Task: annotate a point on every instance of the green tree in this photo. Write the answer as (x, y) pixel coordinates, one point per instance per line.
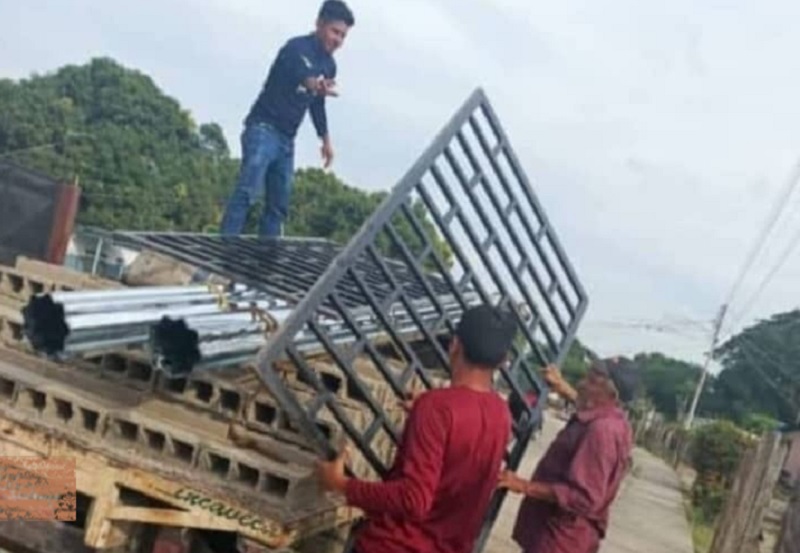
(761, 370)
(716, 450)
(577, 362)
(141, 160)
(759, 424)
(668, 382)
(144, 164)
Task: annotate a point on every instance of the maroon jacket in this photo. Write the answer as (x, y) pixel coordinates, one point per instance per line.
(585, 466)
(443, 478)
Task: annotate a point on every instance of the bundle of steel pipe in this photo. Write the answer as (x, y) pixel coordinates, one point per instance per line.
(196, 327)
(182, 345)
(76, 322)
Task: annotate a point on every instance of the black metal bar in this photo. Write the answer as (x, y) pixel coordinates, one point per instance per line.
(530, 195)
(352, 377)
(499, 243)
(504, 182)
(306, 424)
(367, 345)
(397, 241)
(411, 217)
(459, 253)
(372, 430)
(498, 281)
(289, 402)
(446, 231)
(415, 315)
(411, 357)
(493, 198)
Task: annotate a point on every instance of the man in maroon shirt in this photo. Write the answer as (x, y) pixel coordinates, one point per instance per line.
(567, 502)
(445, 471)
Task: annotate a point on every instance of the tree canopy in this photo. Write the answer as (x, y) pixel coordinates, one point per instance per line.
(141, 160)
(143, 163)
(759, 384)
(669, 383)
(761, 370)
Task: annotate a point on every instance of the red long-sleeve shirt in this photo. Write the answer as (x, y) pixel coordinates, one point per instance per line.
(584, 466)
(443, 477)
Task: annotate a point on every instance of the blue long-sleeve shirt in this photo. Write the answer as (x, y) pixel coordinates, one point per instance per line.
(284, 100)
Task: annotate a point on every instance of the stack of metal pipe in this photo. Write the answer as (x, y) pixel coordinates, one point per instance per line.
(193, 328)
(65, 323)
(182, 345)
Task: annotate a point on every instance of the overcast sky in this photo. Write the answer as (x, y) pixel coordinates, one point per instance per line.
(657, 134)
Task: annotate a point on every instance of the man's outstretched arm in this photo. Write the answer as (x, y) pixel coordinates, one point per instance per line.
(556, 380)
(411, 494)
(584, 487)
(319, 117)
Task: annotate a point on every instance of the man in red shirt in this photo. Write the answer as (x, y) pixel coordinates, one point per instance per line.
(567, 502)
(445, 471)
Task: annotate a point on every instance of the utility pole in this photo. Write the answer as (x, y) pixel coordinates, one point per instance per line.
(699, 390)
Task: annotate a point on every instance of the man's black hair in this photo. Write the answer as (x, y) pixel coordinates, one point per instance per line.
(486, 334)
(336, 10)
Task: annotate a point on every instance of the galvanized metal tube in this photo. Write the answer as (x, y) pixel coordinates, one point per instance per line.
(72, 348)
(125, 293)
(223, 348)
(135, 304)
(94, 320)
(82, 320)
(209, 336)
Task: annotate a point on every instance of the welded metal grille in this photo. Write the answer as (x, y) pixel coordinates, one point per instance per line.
(465, 221)
(285, 267)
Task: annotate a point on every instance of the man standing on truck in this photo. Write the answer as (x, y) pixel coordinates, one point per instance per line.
(567, 502)
(453, 444)
(300, 79)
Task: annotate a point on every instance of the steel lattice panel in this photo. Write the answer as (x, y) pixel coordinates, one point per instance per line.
(285, 267)
(469, 193)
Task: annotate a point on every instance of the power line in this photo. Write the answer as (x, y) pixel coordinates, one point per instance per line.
(750, 344)
(790, 402)
(785, 254)
(777, 210)
(685, 331)
(773, 218)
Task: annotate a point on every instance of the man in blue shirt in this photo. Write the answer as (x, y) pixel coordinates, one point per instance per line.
(301, 77)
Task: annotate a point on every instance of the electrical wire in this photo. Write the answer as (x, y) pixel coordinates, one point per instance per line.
(777, 211)
(779, 390)
(777, 364)
(784, 256)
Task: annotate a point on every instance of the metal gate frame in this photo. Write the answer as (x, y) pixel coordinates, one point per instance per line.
(520, 260)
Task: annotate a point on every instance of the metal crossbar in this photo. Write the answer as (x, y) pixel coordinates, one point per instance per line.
(464, 221)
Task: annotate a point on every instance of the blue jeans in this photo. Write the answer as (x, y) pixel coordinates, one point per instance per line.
(267, 170)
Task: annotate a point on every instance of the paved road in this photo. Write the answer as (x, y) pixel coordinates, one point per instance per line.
(647, 517)
(649, 514)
